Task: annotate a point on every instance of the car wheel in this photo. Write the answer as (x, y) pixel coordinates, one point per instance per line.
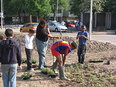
(56, 29)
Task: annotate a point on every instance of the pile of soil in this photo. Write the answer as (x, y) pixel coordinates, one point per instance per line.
(92, 46)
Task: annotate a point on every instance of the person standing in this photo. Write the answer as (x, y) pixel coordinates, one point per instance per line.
(83, 37)
(29, 48)
(10, 54)
(60, 49)
(1, 39)
(42, 35)
(78, 25)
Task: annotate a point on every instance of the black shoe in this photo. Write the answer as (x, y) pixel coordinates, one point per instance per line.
(45, 66)
(0, 74)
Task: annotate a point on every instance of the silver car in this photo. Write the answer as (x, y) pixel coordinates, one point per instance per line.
(56, 26)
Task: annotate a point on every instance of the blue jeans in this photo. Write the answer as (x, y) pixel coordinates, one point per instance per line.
(42, 48)
(9, 74)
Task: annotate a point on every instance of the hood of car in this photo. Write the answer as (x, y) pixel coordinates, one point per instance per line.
(61, 26)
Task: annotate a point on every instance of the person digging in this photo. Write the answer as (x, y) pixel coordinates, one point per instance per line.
(60, 49)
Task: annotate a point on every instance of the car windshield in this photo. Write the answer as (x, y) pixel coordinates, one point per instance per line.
(34, 24)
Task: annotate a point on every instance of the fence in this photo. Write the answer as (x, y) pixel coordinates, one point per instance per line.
(101, 21)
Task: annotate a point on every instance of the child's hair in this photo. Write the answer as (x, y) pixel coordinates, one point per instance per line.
(9, 32)
(1, 37)
(83, 26)
(31, 31)
(74, 45)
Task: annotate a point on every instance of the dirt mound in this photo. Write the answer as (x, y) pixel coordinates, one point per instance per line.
(92, 46)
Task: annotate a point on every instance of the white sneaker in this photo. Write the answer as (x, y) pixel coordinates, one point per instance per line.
(31, 69)
(64, 78)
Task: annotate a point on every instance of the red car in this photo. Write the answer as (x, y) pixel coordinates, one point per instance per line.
(70, 24)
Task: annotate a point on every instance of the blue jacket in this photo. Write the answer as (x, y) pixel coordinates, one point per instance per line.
(10, 52)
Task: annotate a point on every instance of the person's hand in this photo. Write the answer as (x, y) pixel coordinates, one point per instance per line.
(50, 35)
(20, 67)
(82, 36)
(58, 37)
(79, 36)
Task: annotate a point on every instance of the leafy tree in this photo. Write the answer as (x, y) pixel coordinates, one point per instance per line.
(110, 6)
(79, 6)
(62, 5)
(39, 8)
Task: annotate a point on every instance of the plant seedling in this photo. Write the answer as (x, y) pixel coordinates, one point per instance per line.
(51, 74)
(45, 71)
(24, 60)
(26, 76)
(34, 60)
(95, 60)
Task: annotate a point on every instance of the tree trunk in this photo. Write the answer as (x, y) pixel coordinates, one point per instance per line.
(19, 17)
(30, 18)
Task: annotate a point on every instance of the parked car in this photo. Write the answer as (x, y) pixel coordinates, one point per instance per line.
(27, 26)
(70, 24)
(56, 26)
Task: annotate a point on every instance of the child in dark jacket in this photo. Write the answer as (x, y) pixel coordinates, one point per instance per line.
(10, 55)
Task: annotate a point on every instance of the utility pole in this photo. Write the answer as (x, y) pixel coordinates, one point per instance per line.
(91, 17)
(1, 14)
(57, 10)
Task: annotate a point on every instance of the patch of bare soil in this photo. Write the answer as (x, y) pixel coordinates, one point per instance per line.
(95, 50)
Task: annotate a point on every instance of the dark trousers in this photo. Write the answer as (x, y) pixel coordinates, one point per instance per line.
(81, 53)
(29, 58)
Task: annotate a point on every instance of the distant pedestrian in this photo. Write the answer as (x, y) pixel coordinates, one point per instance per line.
(29, 48)
(60, 49)
(83, 37)
(78, 25)
(10, 54)
(1, 39)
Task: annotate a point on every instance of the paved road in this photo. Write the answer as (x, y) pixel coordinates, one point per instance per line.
(105, 38)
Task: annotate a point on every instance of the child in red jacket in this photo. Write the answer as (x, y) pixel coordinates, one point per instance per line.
(60, 49)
